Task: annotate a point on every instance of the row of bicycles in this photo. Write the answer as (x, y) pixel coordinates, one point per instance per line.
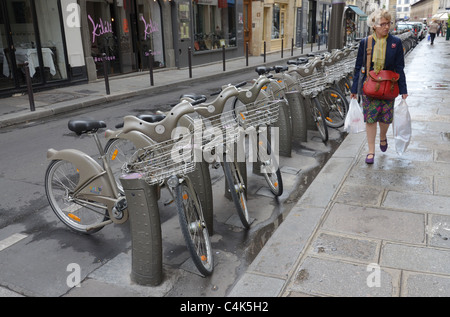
(241, 123)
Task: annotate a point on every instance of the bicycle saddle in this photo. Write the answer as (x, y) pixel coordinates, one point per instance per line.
(152, 118)
(279, 68)
(261, 70)
(80, 126)
(193, 96)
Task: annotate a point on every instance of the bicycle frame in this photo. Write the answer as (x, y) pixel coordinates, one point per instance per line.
(96, 182)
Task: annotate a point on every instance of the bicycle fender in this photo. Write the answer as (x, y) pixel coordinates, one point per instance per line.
(93, 178)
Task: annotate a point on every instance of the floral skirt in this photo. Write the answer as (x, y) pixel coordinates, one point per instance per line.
(377, 110)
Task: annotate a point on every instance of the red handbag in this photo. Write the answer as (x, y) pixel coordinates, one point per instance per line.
(383, 85)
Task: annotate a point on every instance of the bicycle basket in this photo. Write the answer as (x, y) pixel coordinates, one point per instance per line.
(159, 161)
(261, 112)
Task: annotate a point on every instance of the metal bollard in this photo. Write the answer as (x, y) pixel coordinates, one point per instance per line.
(292, 47)
(105, 73)
(190, 61)
(146, 241)
(282, 47)
(223, 56)
(29, 87)
(246, 54)
(264, 52)
(150, 67)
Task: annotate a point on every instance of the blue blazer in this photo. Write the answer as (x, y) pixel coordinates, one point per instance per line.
(395, 61)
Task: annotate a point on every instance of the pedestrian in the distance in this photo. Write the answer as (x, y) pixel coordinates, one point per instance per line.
(387, 53)
(432, 30)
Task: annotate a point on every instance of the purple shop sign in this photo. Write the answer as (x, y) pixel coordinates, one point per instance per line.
(149, 27)
(100, 28)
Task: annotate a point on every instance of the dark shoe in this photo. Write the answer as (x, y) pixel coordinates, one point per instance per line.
(370, 160)
(383, 148)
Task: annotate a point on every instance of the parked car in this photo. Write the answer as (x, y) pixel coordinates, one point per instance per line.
(421, 32)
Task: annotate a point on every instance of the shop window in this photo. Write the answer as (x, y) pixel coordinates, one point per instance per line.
(150, 32)
(214, 24)
(51, 40)
(103, 35)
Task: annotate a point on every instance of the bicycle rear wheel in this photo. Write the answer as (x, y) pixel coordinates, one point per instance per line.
(61, 178)
(269, 166)
(194, 229)
(318, 115)
(237, 190)
(335, 105)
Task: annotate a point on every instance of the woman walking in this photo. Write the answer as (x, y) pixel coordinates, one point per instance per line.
(387, 53)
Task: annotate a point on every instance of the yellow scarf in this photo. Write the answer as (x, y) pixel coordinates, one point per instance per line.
(379, 53)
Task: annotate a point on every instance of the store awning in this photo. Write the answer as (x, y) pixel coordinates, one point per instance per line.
(443, 16)
(358, 11)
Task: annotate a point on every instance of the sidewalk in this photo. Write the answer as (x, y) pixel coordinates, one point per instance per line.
(381, 230)
(15, 110)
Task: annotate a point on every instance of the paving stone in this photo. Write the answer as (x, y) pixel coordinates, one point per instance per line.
(418, 202)
(364, 195)
(414, 258)
(376, 223)
(425, 285)
(439, 231)
(333, 278)
(390, 180)
(346, 247)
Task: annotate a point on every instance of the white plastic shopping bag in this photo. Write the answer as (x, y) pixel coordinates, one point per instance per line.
(354, 121)
(401, 127)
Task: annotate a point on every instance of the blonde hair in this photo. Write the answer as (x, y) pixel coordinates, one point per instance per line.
(375, 17)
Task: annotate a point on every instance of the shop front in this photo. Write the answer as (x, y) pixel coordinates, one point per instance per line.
(123, 33)
(32, 32)
(205, 28)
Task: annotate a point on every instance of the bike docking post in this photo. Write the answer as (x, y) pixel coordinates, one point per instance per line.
(29, 87)
(146, 240)
(105, 73)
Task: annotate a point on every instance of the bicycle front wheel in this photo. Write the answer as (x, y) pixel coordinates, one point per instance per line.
(335, 105)
(61, 178)
(269, 166)
(319, 119)
(194, 229)
(117, 152)
(237, 190)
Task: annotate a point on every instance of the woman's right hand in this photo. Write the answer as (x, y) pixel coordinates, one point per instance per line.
(354, 96)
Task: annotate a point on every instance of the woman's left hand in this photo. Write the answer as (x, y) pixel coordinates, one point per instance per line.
(404, 96)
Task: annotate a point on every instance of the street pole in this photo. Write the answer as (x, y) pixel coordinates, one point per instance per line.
(335, 39)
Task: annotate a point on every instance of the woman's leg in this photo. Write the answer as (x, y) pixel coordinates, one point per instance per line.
(383, 131)
(371, 132)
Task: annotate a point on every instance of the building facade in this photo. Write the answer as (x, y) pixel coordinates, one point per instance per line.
(67, 41)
